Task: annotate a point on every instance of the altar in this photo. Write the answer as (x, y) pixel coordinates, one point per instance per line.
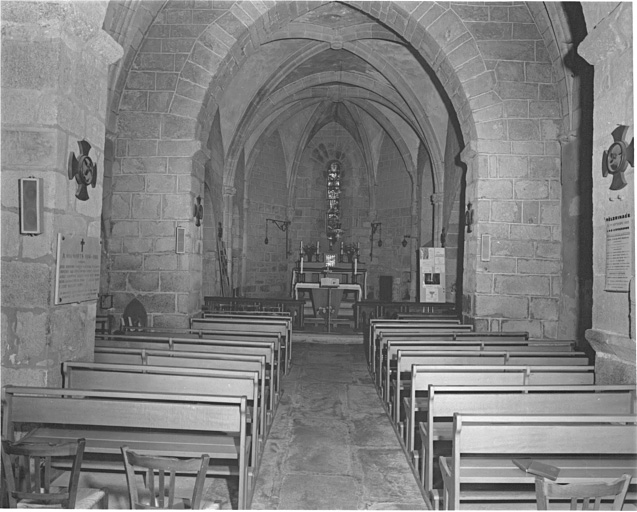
(347, 285)
(346, 273)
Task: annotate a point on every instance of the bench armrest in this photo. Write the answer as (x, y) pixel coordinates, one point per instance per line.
(447, 479)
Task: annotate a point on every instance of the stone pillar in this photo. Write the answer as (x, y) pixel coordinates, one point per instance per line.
(228, 209)
(608, 47)
(469, 278)
(437, 200)
(55, 59)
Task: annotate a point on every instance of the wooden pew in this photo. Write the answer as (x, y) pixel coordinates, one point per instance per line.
(368, 310)
(485, 343)
(377, 327)
(427, 331)
(449, 336)
(267, 348)
(444, 401)
(165, 424)
(158, 379)
(400, 379)
(210, 335)
(272, 325)
(584, 447)
(205, 360)
(257, 316)
(263, 305)
(423, 376)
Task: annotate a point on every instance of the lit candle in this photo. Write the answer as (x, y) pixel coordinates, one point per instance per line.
(355, 266)
(301, 263)
(301, 248)
(318, 250)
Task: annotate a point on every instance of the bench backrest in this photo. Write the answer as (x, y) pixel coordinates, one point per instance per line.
(198, 334)
(184, 359)
(248, 314)
(144, 378)
(423, 376)
(406, 358)
(277, 325)
(123, 409)
(542, 434)
(444, 401)
(192, 345)
(478, 344)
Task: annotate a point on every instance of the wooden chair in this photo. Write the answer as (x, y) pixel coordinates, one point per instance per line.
(30, 470)
(589, 493)
(156, 496)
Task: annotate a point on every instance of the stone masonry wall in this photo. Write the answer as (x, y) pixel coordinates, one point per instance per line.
(394, 206)
(55, 59)
(608, 47)
(267, 265)
(514, 180)
(157, 174)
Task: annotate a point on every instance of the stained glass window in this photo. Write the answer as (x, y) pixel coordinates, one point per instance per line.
(334, 230)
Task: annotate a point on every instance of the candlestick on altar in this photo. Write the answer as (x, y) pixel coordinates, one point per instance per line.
(318, 250)
(301, 248)
(341, 248)
(301, 263)
(355, 267)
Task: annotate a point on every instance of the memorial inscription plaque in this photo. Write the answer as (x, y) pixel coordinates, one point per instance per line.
(77, 276)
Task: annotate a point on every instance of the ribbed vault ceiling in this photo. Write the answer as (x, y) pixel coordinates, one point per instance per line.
(333, 65)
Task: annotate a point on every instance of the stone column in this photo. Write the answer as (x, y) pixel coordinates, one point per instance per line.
(469, 157)
(437, 200)
(55, 59)
(608, 47)
(228, 208)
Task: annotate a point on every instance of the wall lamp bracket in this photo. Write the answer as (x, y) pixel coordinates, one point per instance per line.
(404, 242)
(468, 217)
(376, 226)
(284, 226)
(197, 212)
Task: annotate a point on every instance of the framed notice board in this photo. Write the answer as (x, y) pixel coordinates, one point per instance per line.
(619, 252)
(77, 269)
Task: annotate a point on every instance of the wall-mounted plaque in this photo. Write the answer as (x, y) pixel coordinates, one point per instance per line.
(619, 252)
(77, 275)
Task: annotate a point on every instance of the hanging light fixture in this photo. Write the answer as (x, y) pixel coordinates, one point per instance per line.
(283, 225)
(404, 242)
(376, 226)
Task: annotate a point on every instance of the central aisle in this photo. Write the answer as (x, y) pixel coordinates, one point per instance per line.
(331, 445)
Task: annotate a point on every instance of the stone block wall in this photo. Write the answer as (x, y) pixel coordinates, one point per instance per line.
(513, 178)
(158, 172)
(53, 95)
(394, 205)
(609, 48)
(267, 265)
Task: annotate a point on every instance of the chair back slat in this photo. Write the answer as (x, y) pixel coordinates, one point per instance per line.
(165, 469)
(28, 475)
(590, 493)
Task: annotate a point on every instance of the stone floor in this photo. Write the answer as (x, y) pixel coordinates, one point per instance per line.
(331, 445)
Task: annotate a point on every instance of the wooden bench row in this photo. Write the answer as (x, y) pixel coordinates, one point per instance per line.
(179, 395)
(444, 401)
(165, 424)
(585, 448)
(426, 378)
